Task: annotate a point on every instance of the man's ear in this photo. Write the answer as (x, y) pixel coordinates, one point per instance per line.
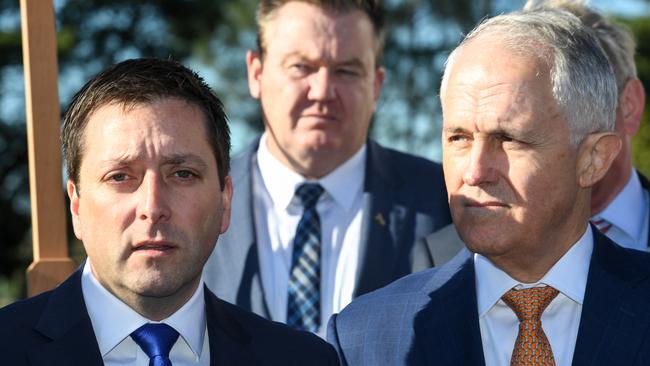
(226, 203)
(380, 74)
(73, 194)
(254, 68)
(595, 155)
(631, 104)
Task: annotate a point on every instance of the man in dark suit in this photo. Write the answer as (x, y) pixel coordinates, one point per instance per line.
(146, 145)
(521, 151)
(317, 75)
(620, 203)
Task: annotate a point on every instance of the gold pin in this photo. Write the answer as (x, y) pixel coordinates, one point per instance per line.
(380, 219)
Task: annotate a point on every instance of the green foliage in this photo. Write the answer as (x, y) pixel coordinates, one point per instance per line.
(212, 37)
(641, 141)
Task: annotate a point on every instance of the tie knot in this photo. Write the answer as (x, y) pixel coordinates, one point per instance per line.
(530, 303)
(156, 340)
(308, 193)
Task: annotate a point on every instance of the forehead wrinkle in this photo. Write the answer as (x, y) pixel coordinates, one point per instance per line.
(126, 159)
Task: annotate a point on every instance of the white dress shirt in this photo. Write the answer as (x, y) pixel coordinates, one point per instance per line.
(277, 213)
(628, 213)
(113, 322)
(499, 324)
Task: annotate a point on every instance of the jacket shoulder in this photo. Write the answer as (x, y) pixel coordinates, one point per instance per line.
(22, 314)
(405, 294)
(17, 333)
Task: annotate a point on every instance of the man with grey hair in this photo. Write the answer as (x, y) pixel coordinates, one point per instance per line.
(620, 202)
(528, 102)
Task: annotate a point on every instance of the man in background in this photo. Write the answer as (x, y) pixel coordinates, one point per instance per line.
(147, 146)
(321, 213)
(620, 203)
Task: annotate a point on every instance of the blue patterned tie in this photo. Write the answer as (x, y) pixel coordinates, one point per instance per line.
(156, 340)
(303, 303)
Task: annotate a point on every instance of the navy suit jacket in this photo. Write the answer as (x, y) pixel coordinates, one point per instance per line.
(54, 329)
(404, 198)
(431, 317)
(437, 248)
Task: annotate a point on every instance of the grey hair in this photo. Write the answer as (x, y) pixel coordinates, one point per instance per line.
(582, 81)
(615, 39)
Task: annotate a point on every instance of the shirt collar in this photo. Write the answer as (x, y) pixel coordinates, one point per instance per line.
(103, 308)
(568, 275)
(342, 184)
(628, 209)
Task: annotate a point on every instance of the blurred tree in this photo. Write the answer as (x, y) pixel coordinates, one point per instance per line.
(212, 38)
(641, 141)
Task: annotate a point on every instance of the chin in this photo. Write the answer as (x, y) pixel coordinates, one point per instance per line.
(155, 285)
(483, 240)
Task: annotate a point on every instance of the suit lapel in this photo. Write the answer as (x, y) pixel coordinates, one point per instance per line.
(236, 252)
(381, 223)
(229, 341)
(66, 324)
(447, 329)
(615, 313)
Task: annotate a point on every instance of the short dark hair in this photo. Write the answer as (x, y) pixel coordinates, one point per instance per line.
(144, 81)
(372, 8)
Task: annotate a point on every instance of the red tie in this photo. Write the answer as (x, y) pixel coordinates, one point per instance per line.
(602, 225)
(532, 346)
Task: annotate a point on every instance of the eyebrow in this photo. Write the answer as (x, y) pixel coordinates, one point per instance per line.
(452, 130)
(173, 159)
(494, 132)
(351, 62)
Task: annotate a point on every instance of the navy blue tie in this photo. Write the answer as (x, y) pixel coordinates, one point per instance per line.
(303, 302)
(156, 340)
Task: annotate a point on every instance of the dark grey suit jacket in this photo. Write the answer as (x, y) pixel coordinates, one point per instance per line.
(438, 248)
(404, 198)
(54, 329)
(431, 317)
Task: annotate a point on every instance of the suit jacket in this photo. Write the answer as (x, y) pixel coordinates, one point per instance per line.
(431, 317)
(438, 248)
(404, 198)
(54, 329)
(646, 185)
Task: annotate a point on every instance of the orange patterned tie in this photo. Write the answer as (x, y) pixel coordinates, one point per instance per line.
(532, 346)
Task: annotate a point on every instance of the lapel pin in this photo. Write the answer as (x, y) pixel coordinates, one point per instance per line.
(380, 219)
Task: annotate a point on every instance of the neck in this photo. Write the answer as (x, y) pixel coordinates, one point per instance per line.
(546, 248)
(312, 164)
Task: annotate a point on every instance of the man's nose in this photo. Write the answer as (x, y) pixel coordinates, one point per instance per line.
(481, 167)
(153, 201)
(321, 85)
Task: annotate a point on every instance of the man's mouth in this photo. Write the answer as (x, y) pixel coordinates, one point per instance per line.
(153, 246)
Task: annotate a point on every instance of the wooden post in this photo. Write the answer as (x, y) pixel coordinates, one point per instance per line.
(51, 262)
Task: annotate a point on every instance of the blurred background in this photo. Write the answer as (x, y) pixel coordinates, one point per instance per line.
(212, 37)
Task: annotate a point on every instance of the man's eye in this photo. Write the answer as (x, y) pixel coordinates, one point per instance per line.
(505, 138)
(118, 177)
(300, 68)
(184, 174)
(455, 138)
(348, 72)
